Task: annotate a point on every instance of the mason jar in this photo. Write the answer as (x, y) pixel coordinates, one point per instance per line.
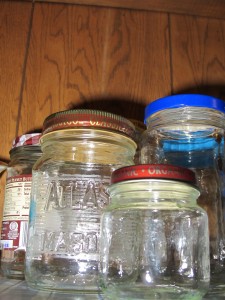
(154, 236)
(24, 153)
(81, 148)
(188, 130)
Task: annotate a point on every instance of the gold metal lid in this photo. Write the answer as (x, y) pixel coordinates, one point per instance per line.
(85, 118)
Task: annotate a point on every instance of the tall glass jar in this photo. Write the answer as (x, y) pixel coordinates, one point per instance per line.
(81, 148)
(188, 130)
(24, 153)
(154, 236)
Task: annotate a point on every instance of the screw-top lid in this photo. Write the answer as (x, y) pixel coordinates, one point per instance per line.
(153, 171)
(182, 100)
(80, 118)
(31, 139)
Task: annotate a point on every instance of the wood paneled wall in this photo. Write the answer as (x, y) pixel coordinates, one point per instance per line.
(59, 56)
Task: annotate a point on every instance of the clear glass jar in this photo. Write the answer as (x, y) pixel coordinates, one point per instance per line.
(154, 236)
(139, 129)
(81, 148)
(188, 130)
(24, 153)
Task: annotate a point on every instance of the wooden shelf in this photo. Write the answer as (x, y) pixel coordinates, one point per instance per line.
(206, 8)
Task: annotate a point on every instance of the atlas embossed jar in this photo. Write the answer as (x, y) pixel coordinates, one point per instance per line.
(24, 153)
(81, 149)
(188, 130)
(154, 236)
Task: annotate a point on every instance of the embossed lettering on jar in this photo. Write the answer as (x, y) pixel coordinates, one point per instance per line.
(81, 148)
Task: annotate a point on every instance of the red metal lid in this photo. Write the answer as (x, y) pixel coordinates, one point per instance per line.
(80, 118)
(31, 139)
(153, 171)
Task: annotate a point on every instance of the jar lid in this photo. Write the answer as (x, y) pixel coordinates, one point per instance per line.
(31, 139)
(182, 100)
(153, 171)
(80, 118)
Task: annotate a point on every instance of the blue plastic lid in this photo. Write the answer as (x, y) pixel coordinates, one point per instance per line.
(182, 100)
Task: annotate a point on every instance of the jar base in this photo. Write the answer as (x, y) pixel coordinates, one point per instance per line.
(13, 270)
(62, 288)
(63, 274)
(217, 286)
(167, 293)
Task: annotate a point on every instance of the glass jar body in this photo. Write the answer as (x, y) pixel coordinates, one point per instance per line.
(193, 137)
(154, 242)
(68, 195)
(16, 210)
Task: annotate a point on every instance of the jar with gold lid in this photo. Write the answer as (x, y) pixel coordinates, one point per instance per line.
(81, 148)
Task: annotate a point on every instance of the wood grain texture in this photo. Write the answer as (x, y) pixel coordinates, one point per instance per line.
(207, 8)
(198, 55)
(14, 27)
(103, 58)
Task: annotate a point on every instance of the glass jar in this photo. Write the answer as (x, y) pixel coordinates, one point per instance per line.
(24, 153)
(3, 167)
(154, 236)
(139, 129)
(188, 130)
(81, 148)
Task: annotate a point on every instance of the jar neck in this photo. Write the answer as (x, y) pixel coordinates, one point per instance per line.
(153, 193)
(192, 137)
(89, 146)
(25, 154)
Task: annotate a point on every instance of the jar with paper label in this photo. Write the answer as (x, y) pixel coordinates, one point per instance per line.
(24, 153)
(154, 236)
(81, 148)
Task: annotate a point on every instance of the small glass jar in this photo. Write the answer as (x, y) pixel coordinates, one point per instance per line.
(188, 130)
(24, 153)
(81, 148)
(154, 237)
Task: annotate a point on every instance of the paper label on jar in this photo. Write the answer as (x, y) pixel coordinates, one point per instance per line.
(14, 234)
(16, 212)
(17, 198)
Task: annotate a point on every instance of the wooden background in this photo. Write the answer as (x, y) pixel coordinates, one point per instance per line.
(59, 56)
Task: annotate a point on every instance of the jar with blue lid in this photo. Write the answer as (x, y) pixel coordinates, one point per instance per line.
(188, 130)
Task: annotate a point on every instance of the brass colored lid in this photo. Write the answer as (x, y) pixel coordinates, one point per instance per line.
(85, 118)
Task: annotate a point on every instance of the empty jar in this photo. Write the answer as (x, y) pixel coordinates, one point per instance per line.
(154, 236)
(24, 153)
(81, 148)
(188, 130)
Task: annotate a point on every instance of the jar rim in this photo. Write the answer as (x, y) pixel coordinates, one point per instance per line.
(74, 134)
(184, 100)
(153, 171)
